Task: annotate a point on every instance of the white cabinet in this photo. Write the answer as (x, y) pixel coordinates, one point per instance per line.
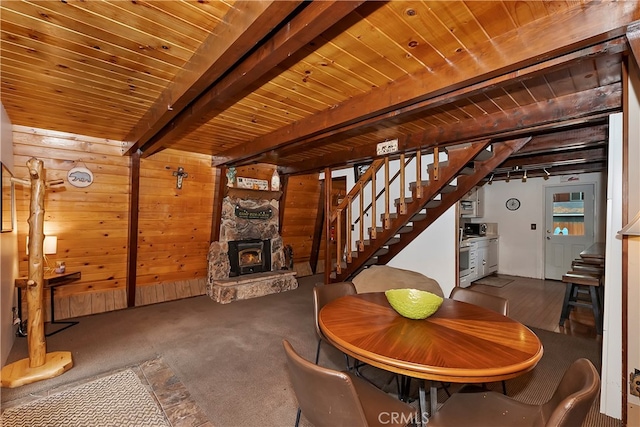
(482, 258)
(486, 257)
(472, 203)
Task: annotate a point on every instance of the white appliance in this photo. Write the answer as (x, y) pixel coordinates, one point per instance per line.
(467, 263)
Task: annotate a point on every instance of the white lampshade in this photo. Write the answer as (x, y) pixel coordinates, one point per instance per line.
(50, 245)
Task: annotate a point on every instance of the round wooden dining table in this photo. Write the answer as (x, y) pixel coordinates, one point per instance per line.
(460, 342)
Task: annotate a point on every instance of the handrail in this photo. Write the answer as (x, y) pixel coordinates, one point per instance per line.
(345, 207)
(375, 165)
(393, 178)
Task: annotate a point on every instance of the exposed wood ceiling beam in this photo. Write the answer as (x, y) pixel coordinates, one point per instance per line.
(633, 35)
(610, 47)
(570, 169)
(568, 110)
(252, 22)
(316, 18)
(567, 139)
(589, 25)
(557, 159)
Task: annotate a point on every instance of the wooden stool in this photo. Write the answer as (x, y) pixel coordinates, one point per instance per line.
(578, 281)
(596, 262)
(587, 268)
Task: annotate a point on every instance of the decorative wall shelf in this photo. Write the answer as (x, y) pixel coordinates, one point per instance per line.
(247, 193)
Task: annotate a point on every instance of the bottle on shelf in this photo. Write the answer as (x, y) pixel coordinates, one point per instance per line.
(275, 181)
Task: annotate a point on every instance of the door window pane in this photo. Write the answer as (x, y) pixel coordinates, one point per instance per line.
(568, 214)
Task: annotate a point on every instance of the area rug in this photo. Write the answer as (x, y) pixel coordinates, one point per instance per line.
(119, 399)
(495, 281)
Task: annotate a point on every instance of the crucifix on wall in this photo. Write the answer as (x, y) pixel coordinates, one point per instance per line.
(180, 174)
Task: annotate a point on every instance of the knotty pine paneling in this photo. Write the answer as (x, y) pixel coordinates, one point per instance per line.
(300, 211)
(174, 225)
(92, 223)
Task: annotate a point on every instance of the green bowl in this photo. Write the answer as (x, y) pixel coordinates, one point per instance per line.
(413, 303)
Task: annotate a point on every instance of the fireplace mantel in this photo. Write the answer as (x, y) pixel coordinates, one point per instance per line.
(248, 193)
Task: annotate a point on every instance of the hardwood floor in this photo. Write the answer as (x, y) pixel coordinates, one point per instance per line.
(538, 303)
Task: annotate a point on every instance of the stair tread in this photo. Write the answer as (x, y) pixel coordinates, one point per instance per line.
(467, 170)
(417, 216)
(480, 157)
(391, 241)
(404, 229)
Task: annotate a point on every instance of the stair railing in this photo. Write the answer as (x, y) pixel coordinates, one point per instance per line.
(344, 237)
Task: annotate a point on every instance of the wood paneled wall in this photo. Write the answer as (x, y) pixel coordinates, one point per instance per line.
(91, 222)
(301, 209)
(174, 224)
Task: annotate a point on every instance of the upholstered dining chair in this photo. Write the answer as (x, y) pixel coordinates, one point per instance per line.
(332, 398)
(323, 295)
(490, 302)
(567, 407)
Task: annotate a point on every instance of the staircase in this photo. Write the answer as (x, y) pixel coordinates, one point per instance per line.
(389, 232)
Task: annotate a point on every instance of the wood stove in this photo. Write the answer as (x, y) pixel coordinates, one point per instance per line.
(249, 256)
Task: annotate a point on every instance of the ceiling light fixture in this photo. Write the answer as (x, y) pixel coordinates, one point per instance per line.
(507, 180)
(546, 173)
(491, 179)
(524, 177)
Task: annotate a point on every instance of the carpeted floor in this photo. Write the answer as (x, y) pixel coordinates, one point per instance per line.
(230, 358)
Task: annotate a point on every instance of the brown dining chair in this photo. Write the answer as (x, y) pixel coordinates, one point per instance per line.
(491, 302)
(332, 398)
(323, 295)
(567, 407)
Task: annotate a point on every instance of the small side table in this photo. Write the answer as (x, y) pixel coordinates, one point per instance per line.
(51, 281)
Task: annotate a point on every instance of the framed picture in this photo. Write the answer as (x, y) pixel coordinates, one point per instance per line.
(360, 169)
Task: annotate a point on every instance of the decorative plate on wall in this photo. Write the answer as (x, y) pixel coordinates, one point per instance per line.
(80, 177)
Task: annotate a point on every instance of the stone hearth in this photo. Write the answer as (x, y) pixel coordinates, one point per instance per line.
(247, 215)
(252, 285)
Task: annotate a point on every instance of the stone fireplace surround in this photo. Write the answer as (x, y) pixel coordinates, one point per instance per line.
(220, 287)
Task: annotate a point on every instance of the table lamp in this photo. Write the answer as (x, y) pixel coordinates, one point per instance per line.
(49, 247)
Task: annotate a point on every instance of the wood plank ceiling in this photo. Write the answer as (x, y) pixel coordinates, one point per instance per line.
(309, 85)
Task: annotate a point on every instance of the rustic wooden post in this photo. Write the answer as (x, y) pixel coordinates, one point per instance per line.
(35, 286)
(40, 365)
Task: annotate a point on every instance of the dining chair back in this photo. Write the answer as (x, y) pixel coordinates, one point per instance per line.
(380, 278)
(323, 295)
(574, 395)
(491, 302)
(332, 398)
(569, 405)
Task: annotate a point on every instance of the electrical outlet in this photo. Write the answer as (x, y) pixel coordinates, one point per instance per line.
(634, 382)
